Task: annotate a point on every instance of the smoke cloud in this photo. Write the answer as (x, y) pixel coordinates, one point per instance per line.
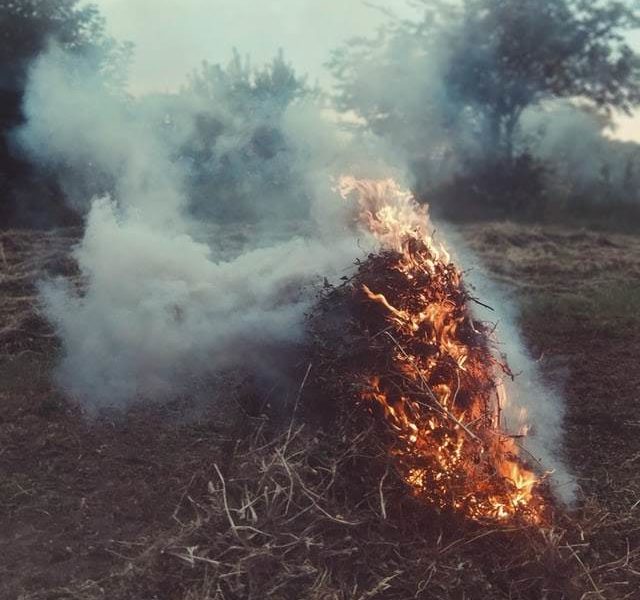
(193, 29)
(162, 305)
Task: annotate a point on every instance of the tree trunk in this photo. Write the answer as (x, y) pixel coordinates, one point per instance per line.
(495, 136)
(510, 125)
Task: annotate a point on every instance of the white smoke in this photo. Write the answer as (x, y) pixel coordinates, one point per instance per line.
(533, 406)
(160, 305)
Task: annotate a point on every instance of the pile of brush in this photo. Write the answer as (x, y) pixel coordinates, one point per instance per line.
(413, 356)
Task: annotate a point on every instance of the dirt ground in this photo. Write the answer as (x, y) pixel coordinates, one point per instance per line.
(81, 499)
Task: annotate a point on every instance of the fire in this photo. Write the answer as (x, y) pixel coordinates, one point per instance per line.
(440, 387)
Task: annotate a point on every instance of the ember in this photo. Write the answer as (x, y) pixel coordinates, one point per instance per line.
(438, 382)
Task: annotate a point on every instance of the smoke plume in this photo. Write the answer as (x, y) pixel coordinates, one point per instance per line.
(162, 305)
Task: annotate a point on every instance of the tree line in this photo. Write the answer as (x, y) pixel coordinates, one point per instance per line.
(488, 101)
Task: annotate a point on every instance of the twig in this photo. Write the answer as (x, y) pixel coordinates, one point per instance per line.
(383, 504)
(455, 396)
(431, 395)
(191, 558)
(290, 475)
(295, 406)
(373, 337)
(184, 493)
(225, 502)
(481, 303)
(463, 542)
(329, 516)
(382, 586)
(312, 497)
(587, 573)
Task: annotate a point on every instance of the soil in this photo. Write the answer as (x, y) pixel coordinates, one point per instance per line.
(80, 498)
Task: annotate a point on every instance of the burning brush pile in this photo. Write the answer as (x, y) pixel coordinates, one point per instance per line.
(414, 487)
(427, 369)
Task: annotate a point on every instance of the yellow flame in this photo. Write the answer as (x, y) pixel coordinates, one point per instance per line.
(460, 438)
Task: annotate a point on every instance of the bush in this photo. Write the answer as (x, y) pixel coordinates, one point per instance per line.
(493, 190)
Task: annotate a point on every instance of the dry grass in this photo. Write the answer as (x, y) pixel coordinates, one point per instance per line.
(554, 259)
(321, 516)
(27, 257)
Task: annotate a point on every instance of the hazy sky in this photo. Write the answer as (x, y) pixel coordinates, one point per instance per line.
(174, 36)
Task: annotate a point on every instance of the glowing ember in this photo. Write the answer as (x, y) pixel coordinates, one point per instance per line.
(439, 388)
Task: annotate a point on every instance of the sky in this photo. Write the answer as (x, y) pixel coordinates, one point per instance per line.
(173, 37)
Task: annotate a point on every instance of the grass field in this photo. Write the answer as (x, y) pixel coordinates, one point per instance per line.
(160, 503)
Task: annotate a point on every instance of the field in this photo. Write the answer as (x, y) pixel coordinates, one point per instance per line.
(146, 505)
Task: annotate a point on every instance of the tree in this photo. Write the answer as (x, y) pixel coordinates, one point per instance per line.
(236, 145)
(28, 27)
(245, 89)
(508, 55)
(472, 67)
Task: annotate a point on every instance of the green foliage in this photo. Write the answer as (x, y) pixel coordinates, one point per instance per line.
(486, 190)
(246, 89)
(29, 26)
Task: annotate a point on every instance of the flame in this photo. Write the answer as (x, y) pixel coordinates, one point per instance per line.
(440, 391)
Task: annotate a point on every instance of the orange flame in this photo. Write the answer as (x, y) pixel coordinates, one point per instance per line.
(441, 395)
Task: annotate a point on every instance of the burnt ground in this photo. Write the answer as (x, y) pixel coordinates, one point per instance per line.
(84, 503)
